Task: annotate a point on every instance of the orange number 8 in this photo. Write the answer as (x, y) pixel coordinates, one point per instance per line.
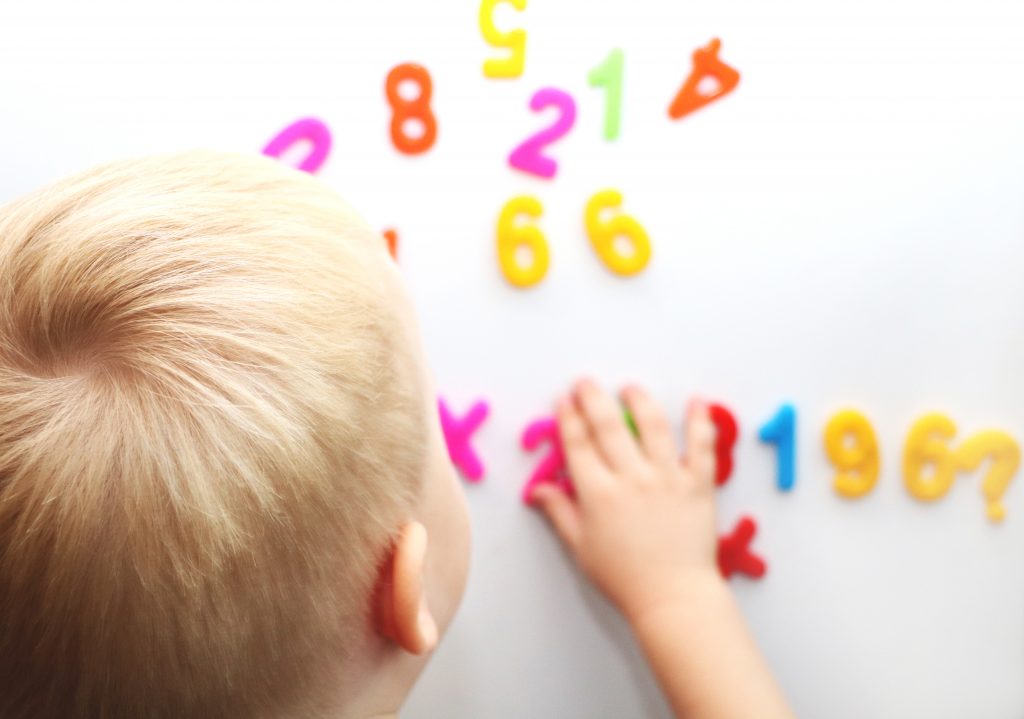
(416, 109)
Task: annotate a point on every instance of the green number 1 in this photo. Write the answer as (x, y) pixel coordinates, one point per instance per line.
(609, 75)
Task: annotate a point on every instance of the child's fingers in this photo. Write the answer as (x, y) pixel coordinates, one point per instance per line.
(607, 425)
(584, 463)
(561, 511)
(700, 444)
(652, 426)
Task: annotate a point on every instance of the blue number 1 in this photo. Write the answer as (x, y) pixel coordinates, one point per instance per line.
(780, 430)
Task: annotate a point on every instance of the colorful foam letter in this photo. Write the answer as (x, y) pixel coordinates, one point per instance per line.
(457, 434)
(705, 65)
(734, 555)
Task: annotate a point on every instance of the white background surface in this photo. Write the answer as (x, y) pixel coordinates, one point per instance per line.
(846, 229)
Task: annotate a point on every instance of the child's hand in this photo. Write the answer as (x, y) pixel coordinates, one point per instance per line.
(643, 524)
(643, 528)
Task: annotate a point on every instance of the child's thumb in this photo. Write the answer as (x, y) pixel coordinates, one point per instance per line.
(560, 510)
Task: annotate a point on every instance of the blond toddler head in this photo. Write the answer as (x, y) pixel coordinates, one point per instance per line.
(218, 451)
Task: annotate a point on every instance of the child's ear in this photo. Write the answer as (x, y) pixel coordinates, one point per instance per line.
(401, 608)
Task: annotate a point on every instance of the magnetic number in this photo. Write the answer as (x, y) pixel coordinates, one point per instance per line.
(309, 130)
(609, 76)
(527, 156)
(514, 236)
(511, 66)
(928, 447)
(415, 110)
(1004, 452)
(606, 235)
(728, 432)
(780, 430)
(551, 468)
(853, 448)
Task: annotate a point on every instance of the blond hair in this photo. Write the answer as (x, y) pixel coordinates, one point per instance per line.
(210, 426)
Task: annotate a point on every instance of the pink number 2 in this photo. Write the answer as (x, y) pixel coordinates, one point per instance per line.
(527, 157)
(551, 469)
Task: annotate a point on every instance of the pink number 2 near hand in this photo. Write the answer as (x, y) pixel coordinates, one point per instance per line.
(527, 157)
(551, 469)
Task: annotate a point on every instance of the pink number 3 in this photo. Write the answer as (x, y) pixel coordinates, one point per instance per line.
(527, 157)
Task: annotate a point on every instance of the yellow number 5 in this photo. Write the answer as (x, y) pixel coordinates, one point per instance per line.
(512, 66)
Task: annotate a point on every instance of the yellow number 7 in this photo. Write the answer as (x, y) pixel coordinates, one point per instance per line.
(512, 66)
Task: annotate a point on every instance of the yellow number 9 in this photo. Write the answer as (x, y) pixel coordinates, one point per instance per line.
(928, 444)
(514, 236)
(512, 66)
(604, 233)
(857, 462)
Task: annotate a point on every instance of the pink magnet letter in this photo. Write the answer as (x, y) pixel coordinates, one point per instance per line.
(310, 129)
(457, 433)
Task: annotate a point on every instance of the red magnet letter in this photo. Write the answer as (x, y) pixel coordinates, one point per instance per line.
(734, 553)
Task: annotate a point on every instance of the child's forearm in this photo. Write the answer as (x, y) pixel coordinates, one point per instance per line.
(705, 659)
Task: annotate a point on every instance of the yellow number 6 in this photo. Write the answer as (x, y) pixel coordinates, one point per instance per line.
(512, 66)
(604, 233)
(928, 445)
(514, 236)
